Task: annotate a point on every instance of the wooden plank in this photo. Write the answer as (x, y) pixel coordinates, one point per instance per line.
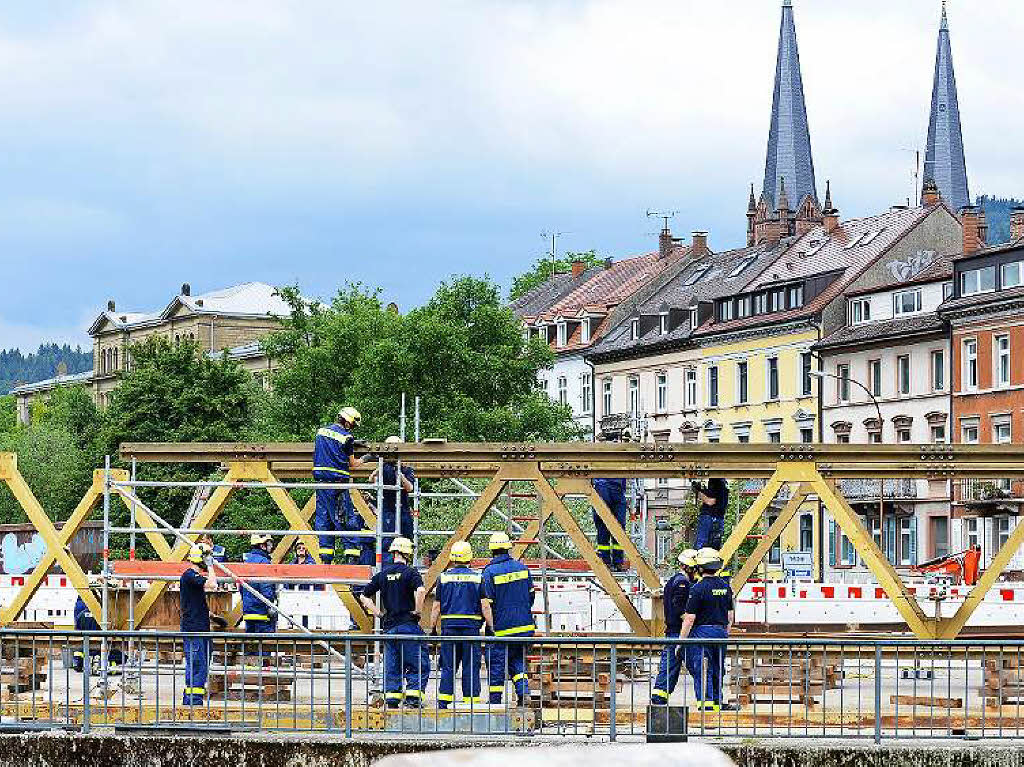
(147, 568)
(926, 701)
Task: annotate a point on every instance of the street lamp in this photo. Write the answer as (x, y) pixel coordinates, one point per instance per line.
(821, 374)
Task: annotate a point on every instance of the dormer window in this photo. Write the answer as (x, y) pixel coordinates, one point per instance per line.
(796, 296)
(634, 330)
(906, 302)
(563, 334)
(663, 323)
(693, 317)
(585, 330)
(860, 311)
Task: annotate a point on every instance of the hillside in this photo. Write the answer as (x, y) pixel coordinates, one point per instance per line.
(17, 368)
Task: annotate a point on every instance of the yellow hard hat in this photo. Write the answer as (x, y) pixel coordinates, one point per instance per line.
(499, 540)
(198, 553)
(258, 539)
(351, 415)
(688, 557)
(462, 552)
(402, 546)
(709, 560)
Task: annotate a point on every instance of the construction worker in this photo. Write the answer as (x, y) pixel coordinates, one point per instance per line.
(219, 553)
(507, 606)
(85, 621)
(713, 500)
(391, 520)
(302, 556)
(259, 617)
(709, 615)
(674, 598)
(457, 612)
(401, 596)
(195, 618)
(333, 461)
(613, 493)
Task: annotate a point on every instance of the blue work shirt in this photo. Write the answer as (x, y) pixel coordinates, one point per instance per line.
(332, 449)
(509, 587)
(397, 583)
(458, 593)
(615, 486)
(710, 601)
(250, 604)
(195, 612)
(677, 592)
(390, 479)
(306, 560)
(719, 490)
(83, 617)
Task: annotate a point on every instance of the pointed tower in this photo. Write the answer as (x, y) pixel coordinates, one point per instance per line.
(944, 157)
(789, 140)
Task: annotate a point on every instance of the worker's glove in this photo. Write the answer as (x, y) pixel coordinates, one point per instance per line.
(219, 621)
(272, 613)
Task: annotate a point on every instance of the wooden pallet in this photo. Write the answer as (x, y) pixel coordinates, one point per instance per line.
(249, 686)
(1003, 682)
(780, 678)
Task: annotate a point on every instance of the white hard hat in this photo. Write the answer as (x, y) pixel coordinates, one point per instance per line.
(258, 539)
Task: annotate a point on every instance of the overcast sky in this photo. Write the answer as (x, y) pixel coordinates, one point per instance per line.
(150, 143)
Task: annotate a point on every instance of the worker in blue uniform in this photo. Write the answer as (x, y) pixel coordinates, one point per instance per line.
(507, 606)
(401, 596)
(613, 493)
(333, 461)
(259, 617)
(674, 599)
(302, 556)
(84, 621)
(396, 510)
(219, 553)
(457, 612)
(709, 615)
(195, 618)
(713, 502)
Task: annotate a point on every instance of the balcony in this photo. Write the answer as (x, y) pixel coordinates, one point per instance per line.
(862, 489)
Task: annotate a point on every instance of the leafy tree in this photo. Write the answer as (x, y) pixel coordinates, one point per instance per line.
(72, 407)
(543, 268)
(16, 367)
(8, 414)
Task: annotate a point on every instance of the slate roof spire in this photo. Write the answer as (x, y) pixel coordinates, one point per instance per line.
(789, 139)
(944, 156)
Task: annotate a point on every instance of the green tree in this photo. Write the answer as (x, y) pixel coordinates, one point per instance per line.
(8, 414)
(543, 268)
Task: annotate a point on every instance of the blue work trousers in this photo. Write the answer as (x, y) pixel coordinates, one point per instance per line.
(197, 669)
(668, 670)
(327, 519)
(408, 660)
(360, 548)
(706, 664)
(451, 655)
(507, 661)
(608, 549)
(709, 532)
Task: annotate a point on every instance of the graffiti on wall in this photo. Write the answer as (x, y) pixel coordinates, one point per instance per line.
(908, 268)
(21, 558)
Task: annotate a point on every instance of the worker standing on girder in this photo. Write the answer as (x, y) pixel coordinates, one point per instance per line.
(674, 599)
(613, 493)
(714, 500)
(507, 605)
(396, 515)
(401, 596)
(457, 612)
(709, 615)
(259, 617)
(333, 461)
(195, 618)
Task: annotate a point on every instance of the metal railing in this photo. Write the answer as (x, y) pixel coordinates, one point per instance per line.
(595, 686)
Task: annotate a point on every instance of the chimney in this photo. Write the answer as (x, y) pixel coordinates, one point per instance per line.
(578, 267)
(186, 289)
(930, 194)
(1017, 223)
(973, 221)
(700, 245)
(608, 263)
(830, 215)
(111, 306)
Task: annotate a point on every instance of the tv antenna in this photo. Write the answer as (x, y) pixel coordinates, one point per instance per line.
(917, 172)
(553, 253)
(663, 215)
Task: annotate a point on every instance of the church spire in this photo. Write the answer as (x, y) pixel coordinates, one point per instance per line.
(789, 139)
(944, 161)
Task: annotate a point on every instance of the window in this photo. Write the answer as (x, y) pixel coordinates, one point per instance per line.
(606, 395)
(116, 367)
(940, 535)
(969, 432)
(938, 370)
(860, 311)
(587, 391)
(806, 435)
(970, 364)
(743, 439)
(773, 378)
(690, 378)
(585, 331)
(775, 552)
(908, 541)
(1011, 275)
(1002, 350)
(939, 434)
(725, 310)
(875, 437)
(1002, 532)
(713, 386)
(843, 376)
(903, 374)
(743, 307)
(693, 278)
(741, 383)
(775, 437)
(806, 380)
(634, 330)
(806, 532)
(1001, 431)
(843, 439)
(777, 300)
(544, 385)
(742, 265)
(563, 334)
(902, 436)
(875, 377)
(795, 294)
(563, 390)
(694, 317)
(634, 395)
(972, 535)
(663, 323)
(760, 303)
(906, 302)
(978, 281)
(662, 392)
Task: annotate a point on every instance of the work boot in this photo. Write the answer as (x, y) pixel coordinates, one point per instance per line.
(413, 702)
